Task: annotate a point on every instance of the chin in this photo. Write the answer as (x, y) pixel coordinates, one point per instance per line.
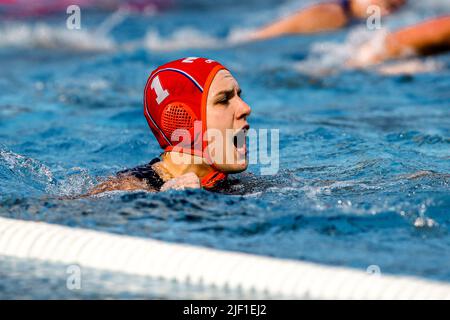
(232, 168)
(237, 151)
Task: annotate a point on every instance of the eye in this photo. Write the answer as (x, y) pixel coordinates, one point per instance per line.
(223, 100)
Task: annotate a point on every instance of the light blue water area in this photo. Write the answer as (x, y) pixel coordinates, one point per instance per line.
(364, 158)
(31, 279)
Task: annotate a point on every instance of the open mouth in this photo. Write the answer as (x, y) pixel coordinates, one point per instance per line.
(239, 140)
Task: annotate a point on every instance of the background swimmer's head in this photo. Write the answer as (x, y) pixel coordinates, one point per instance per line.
(227, 115)
(359, 7)
(193, 107)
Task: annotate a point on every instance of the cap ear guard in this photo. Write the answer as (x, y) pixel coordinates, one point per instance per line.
(177, 115)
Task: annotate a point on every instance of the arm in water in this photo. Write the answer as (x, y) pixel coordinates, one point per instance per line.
(318, 18)
(424, 38)
(130, 183)
(429, 37)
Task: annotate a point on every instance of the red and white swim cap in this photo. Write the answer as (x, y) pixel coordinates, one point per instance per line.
(175, 97)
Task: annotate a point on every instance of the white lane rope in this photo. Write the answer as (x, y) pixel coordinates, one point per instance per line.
(202, 266)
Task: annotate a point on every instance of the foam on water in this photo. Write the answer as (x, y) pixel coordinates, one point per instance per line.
(31, 173)
(41, 35)
(331, 56)
(180, 39)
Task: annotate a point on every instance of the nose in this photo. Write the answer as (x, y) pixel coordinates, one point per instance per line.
(243, 110)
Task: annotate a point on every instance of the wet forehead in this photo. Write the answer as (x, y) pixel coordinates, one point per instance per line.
(222, 81)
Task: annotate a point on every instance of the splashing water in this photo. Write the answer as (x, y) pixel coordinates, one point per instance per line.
(30, 172)
(42, 35)
(180, 39)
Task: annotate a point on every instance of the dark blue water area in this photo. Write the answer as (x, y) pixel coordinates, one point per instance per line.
(364, 169)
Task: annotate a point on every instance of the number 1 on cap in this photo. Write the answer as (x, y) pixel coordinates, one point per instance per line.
(161, 93)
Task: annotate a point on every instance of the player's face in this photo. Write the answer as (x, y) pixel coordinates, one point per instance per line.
(227, 124)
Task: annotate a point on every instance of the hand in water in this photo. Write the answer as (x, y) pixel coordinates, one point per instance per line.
(371, 52)
(187, 180)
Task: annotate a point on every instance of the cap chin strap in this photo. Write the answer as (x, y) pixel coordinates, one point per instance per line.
(212, 178)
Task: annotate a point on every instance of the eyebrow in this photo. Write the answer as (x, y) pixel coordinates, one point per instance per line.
(229, 93)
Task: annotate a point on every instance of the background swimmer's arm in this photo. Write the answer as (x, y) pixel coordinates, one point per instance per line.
(424, 38)
(317, 18)
(420, 39)
(123, 182)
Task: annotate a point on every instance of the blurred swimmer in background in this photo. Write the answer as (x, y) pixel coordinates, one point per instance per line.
(326, 16)
(422, 39)
(31, 8)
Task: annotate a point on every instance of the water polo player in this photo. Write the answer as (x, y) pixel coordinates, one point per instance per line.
(194, 109)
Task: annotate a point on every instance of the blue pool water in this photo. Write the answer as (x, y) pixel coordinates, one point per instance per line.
(364, 157)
